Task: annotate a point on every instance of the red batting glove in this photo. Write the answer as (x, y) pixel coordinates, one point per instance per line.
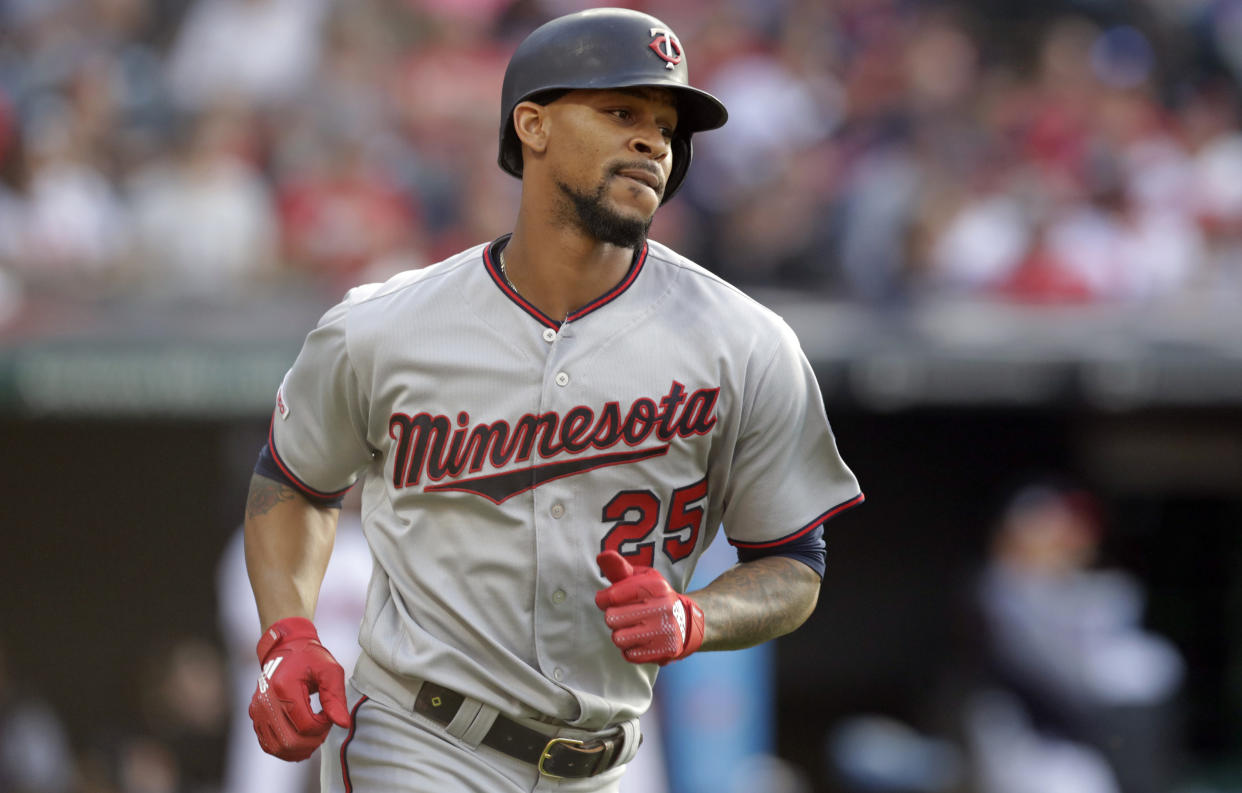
(651, 622)
(295, 664)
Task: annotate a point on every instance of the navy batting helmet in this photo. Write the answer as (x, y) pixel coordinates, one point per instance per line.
(599, 49)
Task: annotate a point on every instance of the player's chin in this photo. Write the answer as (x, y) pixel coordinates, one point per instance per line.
(634, 199)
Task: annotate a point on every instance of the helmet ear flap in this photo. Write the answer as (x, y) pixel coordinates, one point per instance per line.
(510, 150)
(683, 152)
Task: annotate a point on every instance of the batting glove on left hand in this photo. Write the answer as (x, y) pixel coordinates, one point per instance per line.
(295, 664)
(651, 622)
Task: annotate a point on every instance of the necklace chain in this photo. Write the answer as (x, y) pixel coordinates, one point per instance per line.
(505, 274)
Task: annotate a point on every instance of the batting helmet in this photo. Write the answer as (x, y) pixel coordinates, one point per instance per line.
(599, 49)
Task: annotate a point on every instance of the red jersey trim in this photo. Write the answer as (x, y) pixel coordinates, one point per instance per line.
(838, 509)
(293, 479)
(353, 726)
(635, 267)
(493, 269)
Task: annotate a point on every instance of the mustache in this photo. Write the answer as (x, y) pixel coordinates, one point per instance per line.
(640, 165)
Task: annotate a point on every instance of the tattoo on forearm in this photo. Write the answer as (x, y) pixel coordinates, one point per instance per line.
(264, 495)
(758, 601)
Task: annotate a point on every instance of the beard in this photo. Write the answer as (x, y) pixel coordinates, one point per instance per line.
(590, 212)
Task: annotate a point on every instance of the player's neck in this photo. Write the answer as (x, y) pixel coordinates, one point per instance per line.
(561, 270)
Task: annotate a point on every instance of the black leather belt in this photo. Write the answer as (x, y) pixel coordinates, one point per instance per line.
(558, 758)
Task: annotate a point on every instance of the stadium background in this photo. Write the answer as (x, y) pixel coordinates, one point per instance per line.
(1009, 235)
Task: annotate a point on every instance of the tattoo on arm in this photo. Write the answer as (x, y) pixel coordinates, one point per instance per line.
(265, 494)
(753, 602)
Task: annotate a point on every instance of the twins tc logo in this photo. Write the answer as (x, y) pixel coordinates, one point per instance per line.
(665, 44)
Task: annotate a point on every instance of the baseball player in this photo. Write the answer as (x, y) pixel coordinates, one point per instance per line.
(550, 428)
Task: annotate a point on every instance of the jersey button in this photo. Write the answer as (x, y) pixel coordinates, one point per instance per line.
(559, 596)
(562, 378)
(558, 511)
(558, 674)
(549, 335)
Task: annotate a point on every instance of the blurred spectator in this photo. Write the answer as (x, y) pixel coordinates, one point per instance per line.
(1210, 126)
(35, 756)
(762, 180)
(340, 216)
(1076, 694)
(178, 742)
(445, 91)
(184, 709)
(204, 219)
(130, 764)
(72, 226)
(11, 179)
(779, 104)
(260, 52)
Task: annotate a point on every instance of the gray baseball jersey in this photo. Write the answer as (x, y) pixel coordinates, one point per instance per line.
(503, 450)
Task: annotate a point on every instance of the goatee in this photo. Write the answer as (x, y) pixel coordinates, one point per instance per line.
(593, 216)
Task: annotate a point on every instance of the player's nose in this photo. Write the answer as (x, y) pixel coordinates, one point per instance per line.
(650, 141)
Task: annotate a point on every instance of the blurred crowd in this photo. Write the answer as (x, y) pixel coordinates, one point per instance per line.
(877, 150)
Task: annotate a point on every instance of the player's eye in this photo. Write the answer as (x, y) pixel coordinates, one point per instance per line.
(622, 113)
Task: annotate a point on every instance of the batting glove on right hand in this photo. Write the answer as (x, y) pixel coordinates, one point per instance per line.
(651, 622)
(295, 665)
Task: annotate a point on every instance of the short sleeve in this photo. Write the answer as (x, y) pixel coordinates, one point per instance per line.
(318, 434)
(788, 476)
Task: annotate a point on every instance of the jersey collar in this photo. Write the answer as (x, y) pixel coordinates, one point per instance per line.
(491, 258)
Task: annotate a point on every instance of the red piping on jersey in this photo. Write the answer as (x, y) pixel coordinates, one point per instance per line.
(305, 488)
(616, 290)
(839, 508)
(353, 725)
(542, 318)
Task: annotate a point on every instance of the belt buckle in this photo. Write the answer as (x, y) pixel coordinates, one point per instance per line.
(547, 754)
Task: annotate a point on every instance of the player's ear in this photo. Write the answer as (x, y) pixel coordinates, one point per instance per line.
(531, 121)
